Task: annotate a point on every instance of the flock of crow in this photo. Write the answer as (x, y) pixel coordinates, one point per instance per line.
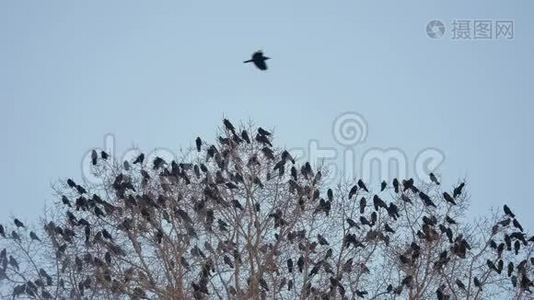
(96, 237)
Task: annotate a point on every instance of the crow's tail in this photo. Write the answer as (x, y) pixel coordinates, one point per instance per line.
(247, 61)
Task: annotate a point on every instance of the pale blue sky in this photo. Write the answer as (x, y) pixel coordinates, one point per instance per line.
(157, 74)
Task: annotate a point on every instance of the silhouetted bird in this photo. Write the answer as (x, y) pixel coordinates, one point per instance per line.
(383, 185)
(363, 203)
(18, 223)
(362, 185)
(268, 153)
(448, 198)
(259, 60)
(300, 263)
(353, 191)
(477, 283)
(71, 183)
(352, 223)
(94, 157)
(426, 199)
(508, 211)
(263, 132)
(198, 142)
(396, 185)
(34, 236)
(104, 155)
(157, 163)
(139, 159)
(263, 139)
(244, 135)
(433, 178)
(450, 220)
(322, 240)
(460, 284)
(387, 228)
(491, 265)
(65, 201)
(458, 190)
(229, 125)
(517, 225)
(330, 194)
(13, 262)
(287, 156)
(290, 265)
(15, 236)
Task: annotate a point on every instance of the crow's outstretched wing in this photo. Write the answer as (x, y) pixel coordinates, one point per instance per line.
(261, 64)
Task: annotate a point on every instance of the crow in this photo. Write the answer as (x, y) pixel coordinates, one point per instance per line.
(18, 223)
(362, 185)
(448, 198)
(229, 125)
(287, 156)
(458, 190)
(244, 136)
(71, 183)
(433, 178)
(377, 202)
(364, 221)
(330, 194)
(450, 220)
(508, 211)
(259, 60)
(477, 283)
(363, 203)
(491, 265)
(517, 225)
(396, 185)
(290, 265)
(300, 263)
(383, 185)
(104, 155)
(353, 191)
(15, 236)
(81, 189)
(268, 153)
(263, 139)
(139, 159)
(352, 223)
(94, 157)
(237, 205)
(426, 199)
(263, 132)
(322, 241)
(65, 201)
(34, 236)
(198, 143)
(157, 163)
(460, 284)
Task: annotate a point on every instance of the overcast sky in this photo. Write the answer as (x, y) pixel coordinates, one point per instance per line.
(157, 74)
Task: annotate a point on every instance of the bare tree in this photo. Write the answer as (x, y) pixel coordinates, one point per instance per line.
(240, 219)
